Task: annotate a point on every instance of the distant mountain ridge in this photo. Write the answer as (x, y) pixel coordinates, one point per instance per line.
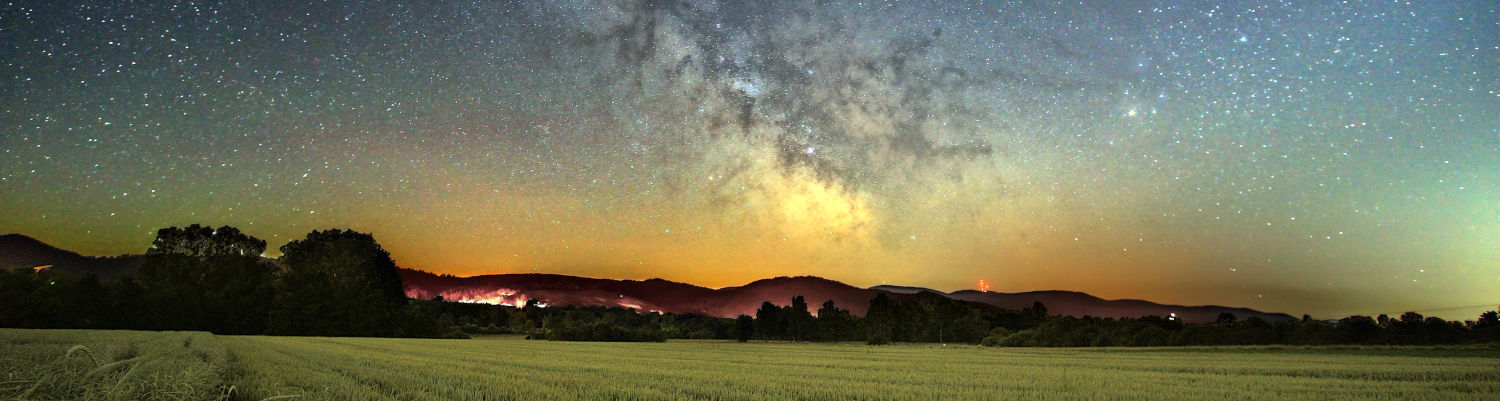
(20, 251)
(657, 295)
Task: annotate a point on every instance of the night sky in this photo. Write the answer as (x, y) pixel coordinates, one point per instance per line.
(1320, 157)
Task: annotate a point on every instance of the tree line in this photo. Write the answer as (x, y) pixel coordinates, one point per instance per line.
(342, 283)
(930, 317)
(933, 318)
(330, 283)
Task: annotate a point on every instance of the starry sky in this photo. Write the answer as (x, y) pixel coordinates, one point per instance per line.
(1320, 157)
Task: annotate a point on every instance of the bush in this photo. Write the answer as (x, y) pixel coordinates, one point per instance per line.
(879, 339)
(1023, 338)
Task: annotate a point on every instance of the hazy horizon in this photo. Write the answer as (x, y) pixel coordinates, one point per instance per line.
(1455, 314)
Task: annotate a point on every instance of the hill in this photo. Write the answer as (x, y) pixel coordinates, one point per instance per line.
(657, 295)
(654, 295)
(20, 251)
(1073, 303)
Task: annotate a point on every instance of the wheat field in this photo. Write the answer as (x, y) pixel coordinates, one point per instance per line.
(513, 369)
(104, 365)
(111, 365)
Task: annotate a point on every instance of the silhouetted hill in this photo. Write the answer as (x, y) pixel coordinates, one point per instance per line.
(654, 295)
(658, 295)
(1073, 303)
(20, 251)
(780, 290)
(553, 289)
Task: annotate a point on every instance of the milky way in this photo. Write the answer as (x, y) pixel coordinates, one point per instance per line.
(1317, 157)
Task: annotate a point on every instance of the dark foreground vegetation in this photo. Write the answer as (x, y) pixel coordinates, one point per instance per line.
(342, 283)
(114, 365)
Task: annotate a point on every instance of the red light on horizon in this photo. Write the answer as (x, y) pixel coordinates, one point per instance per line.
(983, 286)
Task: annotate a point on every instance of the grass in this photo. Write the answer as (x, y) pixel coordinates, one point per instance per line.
(505, 368)
(111, 365)
(101, 365)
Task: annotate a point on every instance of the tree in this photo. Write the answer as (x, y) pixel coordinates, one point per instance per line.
(799, 322)
(239, 293)
(1037, 309)
(1226, 319)
(744, 327)
(969, 329)
(1255, 330)
(1487, 320)
(338, 283)
(1410, 329)
(1487, 328)
(202, 242)
(128, 306)
(834, 323)
(1438, 331)
(200, 278)
(1357, 329)
(21, 304)
(1149, 336)
(881, 319)
(769, 323)
(1411, 318)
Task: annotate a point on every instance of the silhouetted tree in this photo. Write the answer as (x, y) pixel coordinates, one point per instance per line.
(1409, 329)
(23, 299)
(1358, 330)
(834, 323)
(200, 278)
(1037, 309)
(880, 320)
(969, 329)
(1435, 330)
(128, 308)
(1487, 327)
(1257, 331)
(1226, 319)
(744, 328)
(1487, 320)
(1149, 336)
(88, 301)
(203, 242)
(337, 283)
(769, 324)
(799, 322)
